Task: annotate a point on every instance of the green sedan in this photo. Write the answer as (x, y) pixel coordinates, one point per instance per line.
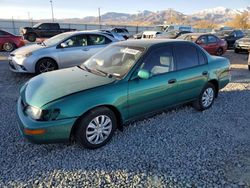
(125, 81)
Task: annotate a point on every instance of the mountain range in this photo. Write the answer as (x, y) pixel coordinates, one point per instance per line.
(218, 15)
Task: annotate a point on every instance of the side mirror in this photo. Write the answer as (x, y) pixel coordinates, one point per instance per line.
(143, 74)
(64, 45)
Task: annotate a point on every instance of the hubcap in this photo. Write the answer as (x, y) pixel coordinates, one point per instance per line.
(207, 97)
(99, 129)
(46, 66)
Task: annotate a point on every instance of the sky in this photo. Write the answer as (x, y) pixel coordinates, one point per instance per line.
(41, 9)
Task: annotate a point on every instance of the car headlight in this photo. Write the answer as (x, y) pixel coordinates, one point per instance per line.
(23, 55)
(33, 112)
(42, 115)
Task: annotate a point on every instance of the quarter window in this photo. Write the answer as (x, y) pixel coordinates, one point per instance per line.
(159, 61)
(186, 55)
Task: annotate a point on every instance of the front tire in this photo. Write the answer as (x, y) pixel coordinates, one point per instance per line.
(96, 128)
(236, 50)
(45, 65)
(31, 37)
(206, 98)
(8, 47)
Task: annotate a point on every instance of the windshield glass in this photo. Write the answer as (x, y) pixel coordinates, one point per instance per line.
(36, 25)
(159, 28)
(224, 32)
(56, 39)
(114, 60)
(192, 38)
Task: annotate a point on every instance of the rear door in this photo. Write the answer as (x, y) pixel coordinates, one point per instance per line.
(96, 42)
(160, 90)
(192, 71)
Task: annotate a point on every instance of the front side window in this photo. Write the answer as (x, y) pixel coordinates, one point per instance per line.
(76, 41)
(186, 56)
(159, 61)
(114, 60)
(98, 40)
(202, 40)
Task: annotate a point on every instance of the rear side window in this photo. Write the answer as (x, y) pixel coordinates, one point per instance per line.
(202, 57)
(211, 39)
(239, 33)
(186, 56)
(98, 40)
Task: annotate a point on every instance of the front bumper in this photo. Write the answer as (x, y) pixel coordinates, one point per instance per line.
(22, 65)
(55, 131)
(242, 46)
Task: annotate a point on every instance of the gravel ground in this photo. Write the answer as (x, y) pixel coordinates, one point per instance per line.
(177, 148)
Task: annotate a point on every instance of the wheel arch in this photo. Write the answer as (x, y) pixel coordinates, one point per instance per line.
(216, 85)
(46, 57)
(111, 107)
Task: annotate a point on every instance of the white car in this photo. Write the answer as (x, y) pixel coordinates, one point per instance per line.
(61, 51)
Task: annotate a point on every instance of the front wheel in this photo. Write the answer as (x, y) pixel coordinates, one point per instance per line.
(96, 128)
(31, 37)
(45, 65)
(206, 98)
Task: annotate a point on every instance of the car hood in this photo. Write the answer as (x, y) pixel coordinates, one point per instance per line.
(244, 40)
(27, 49)
(50, 86)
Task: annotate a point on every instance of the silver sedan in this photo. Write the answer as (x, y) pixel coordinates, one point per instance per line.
(61, 51)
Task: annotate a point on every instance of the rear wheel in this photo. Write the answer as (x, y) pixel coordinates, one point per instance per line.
(96, 128)
(219, 52)
(8, 47)
(206, 98)
(31, 37)
(45, 65)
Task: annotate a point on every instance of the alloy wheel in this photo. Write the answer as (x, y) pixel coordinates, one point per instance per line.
(46, 66)
(8, 47)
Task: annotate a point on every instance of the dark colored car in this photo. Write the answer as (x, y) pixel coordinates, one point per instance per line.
(172, 34)
(42, 30)
(211, 43)
(230, 36)
(9, 42)
(125, 81)
(242, 45)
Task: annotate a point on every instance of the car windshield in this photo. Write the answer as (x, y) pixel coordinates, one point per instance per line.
(224, 32)
(36, 25)
(192, 38)
(56, 39)
(114, 60)
(159, 28)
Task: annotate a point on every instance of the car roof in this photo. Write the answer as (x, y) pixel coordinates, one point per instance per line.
(146, 43)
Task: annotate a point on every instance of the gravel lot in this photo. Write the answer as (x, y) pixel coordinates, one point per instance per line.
(177, 148)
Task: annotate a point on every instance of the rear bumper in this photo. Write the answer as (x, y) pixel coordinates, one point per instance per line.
(54, 131)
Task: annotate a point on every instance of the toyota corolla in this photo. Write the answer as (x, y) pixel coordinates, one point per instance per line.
(123, 82)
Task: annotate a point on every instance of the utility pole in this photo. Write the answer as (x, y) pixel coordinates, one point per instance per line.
(99, 13)
(52, 12)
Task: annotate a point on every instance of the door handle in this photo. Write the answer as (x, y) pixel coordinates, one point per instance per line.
(204, 73)
(172, 81)
(85, 49)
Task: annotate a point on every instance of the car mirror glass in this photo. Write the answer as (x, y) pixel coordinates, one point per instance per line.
(143, 74)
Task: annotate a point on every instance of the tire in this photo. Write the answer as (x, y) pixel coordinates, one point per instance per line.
(249, 67)
(208, 93)
(88, 134)
(219, 52)
(8, 47)
(31, 37)
(236, 50)
(45, 65)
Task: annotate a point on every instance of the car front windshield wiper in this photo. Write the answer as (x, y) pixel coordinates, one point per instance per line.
(103, 72)
(41, 43)
(84, 67)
